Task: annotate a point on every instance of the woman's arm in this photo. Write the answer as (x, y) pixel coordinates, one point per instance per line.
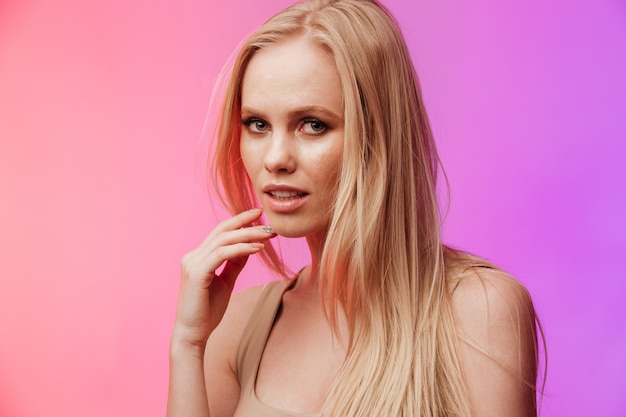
(498, 347)
(186, 395)
(202, 301)
(222, 385)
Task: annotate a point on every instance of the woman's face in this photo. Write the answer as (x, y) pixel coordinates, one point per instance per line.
(292, 134)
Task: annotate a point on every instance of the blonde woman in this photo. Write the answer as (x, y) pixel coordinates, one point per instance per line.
(323, 131)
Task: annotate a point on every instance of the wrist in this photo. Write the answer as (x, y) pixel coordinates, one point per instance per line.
(186, 343)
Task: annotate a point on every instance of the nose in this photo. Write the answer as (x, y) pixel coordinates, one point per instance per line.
(279, 155)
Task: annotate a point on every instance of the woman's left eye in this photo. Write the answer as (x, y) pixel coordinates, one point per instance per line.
(313, 127)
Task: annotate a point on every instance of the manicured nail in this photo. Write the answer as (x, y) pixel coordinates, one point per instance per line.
(267, 229)
(257, 245)
(256, 210)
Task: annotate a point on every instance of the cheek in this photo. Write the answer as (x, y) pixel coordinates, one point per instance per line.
(325, 156)
(330, 161)
(248, 158)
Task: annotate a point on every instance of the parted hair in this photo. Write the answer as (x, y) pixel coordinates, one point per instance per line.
(383, 260)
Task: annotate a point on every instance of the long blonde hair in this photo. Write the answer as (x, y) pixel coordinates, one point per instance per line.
(383, 261)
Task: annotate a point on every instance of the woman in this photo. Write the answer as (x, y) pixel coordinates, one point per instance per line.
(323, 130)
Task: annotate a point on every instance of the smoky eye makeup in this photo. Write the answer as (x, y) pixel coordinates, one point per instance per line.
(313, 126)
(255, 124)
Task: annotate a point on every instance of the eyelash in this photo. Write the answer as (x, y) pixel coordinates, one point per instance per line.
(252, 125)
(323, 126)
(253, 120)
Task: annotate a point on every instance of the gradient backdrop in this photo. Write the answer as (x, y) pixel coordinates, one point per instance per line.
(102, 105)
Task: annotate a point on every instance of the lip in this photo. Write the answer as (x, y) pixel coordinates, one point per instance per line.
(283, 203)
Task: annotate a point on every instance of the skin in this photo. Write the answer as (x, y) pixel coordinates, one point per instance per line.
(292, 135)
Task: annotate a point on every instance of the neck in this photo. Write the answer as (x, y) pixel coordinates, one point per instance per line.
(308, 278)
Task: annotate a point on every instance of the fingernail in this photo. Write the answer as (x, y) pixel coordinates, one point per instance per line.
(267, 229)
(256, 210)
(257, 245)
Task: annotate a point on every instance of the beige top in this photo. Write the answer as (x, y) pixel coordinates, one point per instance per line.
(251, 349)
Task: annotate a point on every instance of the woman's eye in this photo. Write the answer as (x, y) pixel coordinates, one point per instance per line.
(313, 127)
(256, 125)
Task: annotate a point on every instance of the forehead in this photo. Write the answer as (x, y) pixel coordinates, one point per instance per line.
(296, 71)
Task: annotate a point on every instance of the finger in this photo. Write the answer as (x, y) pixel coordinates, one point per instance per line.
(201, 263)
(236, 222)
(202, 268)
(222, 245)
(243, 235)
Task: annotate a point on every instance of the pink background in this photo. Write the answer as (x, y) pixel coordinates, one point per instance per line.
(102, 105)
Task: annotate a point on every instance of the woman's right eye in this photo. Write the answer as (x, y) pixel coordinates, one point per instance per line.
(255, 125)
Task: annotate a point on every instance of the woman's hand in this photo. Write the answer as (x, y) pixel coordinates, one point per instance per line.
(202, 302)
(204, 295)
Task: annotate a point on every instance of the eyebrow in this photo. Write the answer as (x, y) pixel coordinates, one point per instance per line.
(298, 112)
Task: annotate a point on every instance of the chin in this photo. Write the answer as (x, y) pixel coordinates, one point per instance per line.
(289, 232)
(293, 228)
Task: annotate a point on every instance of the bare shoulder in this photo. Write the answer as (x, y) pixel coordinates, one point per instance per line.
(221, 353)
(486, 296)
(495, 322)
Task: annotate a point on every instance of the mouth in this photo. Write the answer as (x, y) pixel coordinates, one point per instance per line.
(283, 198)
(285, 194)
